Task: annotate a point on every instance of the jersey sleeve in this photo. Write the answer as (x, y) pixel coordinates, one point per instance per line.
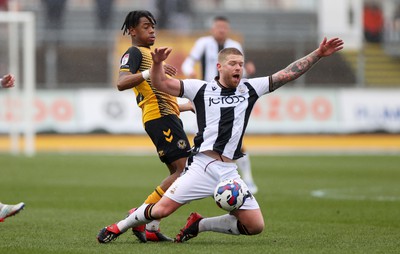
(261, 85)
(190, 87)
(131, 60)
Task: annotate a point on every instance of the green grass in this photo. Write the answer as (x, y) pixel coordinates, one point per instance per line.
(69, 198)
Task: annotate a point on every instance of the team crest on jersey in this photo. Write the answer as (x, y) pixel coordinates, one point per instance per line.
(125, 59)
(181, 144)
(242, 89)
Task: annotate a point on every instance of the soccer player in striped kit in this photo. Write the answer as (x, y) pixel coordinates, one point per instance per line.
(223, 108)
(205, 51)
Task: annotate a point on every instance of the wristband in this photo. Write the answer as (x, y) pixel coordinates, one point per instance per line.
(146, 74)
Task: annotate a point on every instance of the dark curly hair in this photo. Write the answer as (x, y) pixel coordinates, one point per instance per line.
(133, 18)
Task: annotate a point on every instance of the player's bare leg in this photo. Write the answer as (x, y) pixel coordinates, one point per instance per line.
(153, 228)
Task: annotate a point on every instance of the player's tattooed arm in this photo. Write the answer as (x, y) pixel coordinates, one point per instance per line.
(301, 66)
(294, 70)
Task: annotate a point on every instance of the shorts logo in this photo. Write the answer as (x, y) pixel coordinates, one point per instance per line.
(161, 153)
(173, 189)
(181, 144)
(125, 59)
(168, 135)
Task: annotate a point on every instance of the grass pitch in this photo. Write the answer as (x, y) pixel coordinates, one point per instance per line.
(311, 204)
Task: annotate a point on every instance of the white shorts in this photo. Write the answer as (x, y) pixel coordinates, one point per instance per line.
(200, 180)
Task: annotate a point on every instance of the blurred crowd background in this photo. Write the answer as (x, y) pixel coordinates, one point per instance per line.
(78, 42)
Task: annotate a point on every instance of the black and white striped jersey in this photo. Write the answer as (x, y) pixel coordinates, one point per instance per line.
(206, 50)
(223, 113)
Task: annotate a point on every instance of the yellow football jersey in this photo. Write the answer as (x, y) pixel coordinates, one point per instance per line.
(154, 103)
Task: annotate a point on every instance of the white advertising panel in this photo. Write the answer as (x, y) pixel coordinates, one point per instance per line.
(287, 110)
(52, 111)
(109, 110)
(370, 110)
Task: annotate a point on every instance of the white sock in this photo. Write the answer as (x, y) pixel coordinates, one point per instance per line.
(226, 224)
(244, 166)
(134, 219)
(153, 225)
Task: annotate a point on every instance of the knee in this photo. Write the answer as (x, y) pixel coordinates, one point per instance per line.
(251, 228)
(256, 229)
(250, 222)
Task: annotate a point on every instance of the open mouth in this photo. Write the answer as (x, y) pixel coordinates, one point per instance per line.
(236, 76)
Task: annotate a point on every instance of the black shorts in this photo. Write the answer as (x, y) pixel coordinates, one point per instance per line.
(169, 138)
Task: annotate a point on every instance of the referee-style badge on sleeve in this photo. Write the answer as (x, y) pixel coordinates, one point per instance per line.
(125, 59)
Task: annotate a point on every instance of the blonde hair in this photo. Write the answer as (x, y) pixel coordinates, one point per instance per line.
(228, 51)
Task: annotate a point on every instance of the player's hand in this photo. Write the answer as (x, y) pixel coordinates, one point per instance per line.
(8, 81)
(327, 48)
(160, 54)
(170, 70)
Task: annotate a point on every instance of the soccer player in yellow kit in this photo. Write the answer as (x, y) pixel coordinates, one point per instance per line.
(160, 111)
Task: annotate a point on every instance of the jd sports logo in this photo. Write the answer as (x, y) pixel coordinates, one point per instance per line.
(227, 100)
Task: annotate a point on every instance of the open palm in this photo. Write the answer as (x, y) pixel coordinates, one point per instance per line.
(327, 48)
(160, 54)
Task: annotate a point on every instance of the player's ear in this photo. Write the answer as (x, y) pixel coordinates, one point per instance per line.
(132, 31)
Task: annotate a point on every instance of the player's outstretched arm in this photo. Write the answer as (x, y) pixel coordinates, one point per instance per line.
(157, 74)
(301, 66)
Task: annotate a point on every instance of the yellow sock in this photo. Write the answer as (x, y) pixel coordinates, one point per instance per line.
(155, 196)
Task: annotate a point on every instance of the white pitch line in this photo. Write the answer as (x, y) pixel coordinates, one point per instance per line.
(332, 194)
